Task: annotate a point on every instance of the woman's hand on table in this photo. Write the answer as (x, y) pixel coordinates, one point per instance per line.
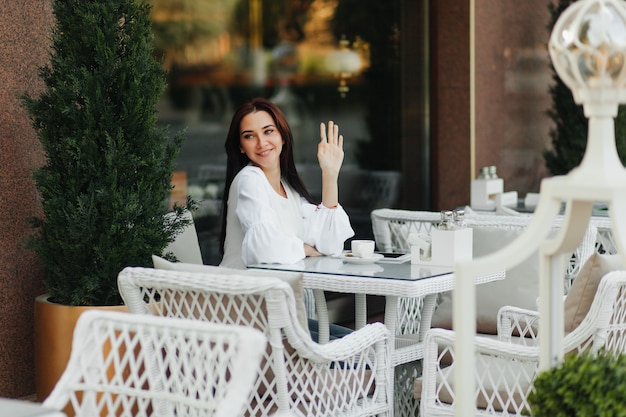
(311, 251)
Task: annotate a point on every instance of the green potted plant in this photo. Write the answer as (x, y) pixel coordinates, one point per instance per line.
(105, 184)
(584, 385)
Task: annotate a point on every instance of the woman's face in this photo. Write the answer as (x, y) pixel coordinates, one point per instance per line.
(260, 140)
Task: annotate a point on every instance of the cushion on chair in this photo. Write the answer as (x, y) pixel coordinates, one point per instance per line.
(520, 287)
(185, 246)
(583, 290)
(294, 279)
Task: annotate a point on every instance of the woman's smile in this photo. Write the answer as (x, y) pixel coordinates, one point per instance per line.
(260, 140)
(264, 153)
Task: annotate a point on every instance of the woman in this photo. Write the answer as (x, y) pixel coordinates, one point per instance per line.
(268, 216)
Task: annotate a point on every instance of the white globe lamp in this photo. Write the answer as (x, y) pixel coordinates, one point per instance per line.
(588, 51)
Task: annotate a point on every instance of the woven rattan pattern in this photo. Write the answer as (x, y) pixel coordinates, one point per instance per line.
(391, 229)
(349, 376)
(128, 365)
(505, 368)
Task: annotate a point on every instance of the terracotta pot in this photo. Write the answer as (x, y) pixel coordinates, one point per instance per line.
(54, 328)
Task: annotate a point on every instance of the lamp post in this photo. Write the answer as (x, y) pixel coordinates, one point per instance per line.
(588, 50)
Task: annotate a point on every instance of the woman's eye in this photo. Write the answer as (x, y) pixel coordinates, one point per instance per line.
(269, 131)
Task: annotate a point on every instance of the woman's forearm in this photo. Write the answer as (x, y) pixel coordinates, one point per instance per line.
(330, 190)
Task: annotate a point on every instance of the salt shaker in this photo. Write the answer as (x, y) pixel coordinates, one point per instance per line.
(447, 220)
(483, 174)
(459, 219)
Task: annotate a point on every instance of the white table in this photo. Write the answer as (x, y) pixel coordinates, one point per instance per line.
(21, 408)
(391, 280)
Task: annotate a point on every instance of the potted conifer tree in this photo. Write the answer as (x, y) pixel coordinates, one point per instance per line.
(106, 180)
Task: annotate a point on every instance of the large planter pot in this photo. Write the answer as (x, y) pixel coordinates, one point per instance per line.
(54, 328)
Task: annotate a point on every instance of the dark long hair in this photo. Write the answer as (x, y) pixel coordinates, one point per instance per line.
(237, 160)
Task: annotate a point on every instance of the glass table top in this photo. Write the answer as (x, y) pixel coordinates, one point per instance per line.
(375, 269)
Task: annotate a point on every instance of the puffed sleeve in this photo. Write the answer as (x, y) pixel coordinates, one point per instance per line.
(264, 241)
(326, 228)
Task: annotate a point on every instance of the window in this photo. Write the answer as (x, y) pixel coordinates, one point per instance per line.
(220, 53)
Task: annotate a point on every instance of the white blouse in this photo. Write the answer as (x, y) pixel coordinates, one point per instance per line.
(264, 227)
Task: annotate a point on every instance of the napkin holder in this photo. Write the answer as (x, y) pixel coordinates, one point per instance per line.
(446, 247)
(483, 193)
(488, 193)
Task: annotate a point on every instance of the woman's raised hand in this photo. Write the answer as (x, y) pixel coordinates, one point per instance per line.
(330, 149)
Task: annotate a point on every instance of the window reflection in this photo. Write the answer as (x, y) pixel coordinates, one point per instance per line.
(219, 53)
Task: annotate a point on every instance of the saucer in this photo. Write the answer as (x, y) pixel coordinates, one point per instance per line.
(350, 258)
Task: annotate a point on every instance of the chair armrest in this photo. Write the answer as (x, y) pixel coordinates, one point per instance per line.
(355, 366)
(441, 341)
(351, 345)
(519, 322)
(503, 373)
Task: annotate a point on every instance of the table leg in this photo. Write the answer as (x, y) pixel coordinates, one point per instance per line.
(360, 310)
(322, 316)
(391, 314)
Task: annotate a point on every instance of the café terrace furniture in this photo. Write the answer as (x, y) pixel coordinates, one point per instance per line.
(21, 408)
(123, 365)
(605, 242)
(393, 281)
(506, 366)
(350, 376)
(186, 248)
(391, 229)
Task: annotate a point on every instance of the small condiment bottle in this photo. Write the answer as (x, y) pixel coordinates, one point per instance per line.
(459, 219)
(447, 220)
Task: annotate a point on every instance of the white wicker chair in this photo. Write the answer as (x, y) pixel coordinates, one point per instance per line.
(123, 365)
(391, 228)
(605, 242)
(505, 368)
(348, 376)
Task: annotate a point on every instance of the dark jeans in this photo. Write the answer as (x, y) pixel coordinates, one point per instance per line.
(336, 331)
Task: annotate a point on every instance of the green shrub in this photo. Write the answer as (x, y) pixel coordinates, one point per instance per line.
(582, 386)
(108, 168)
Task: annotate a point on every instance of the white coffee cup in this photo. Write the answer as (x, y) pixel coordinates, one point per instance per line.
(363, 248)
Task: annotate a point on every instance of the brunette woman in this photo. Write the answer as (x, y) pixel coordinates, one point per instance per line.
(268, 215)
